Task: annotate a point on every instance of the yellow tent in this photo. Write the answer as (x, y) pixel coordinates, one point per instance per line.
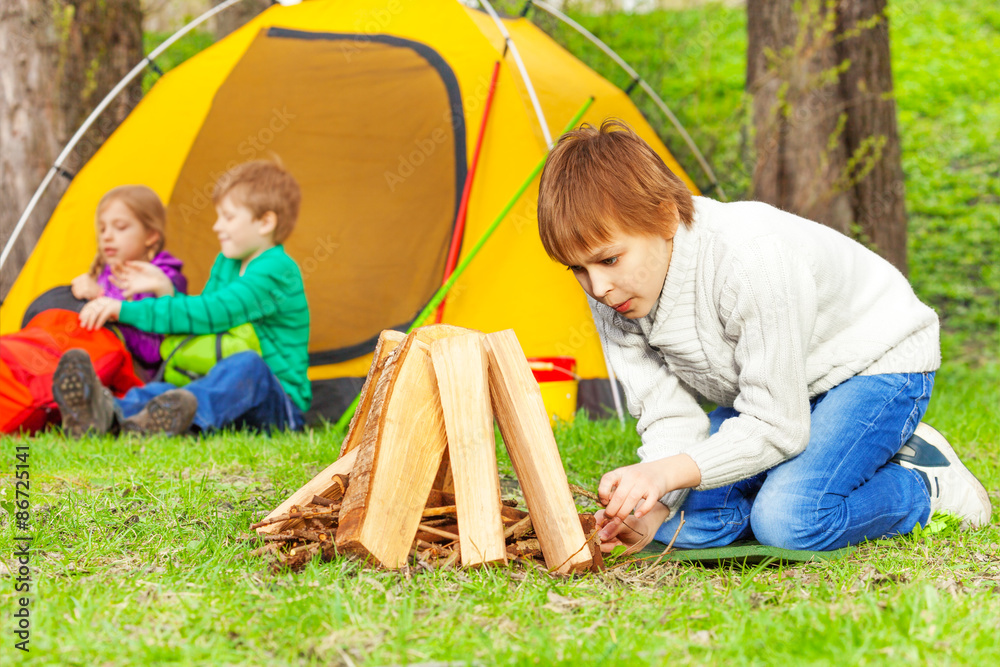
(375, 107)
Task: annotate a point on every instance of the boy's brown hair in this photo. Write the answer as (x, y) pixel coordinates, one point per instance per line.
(598, 181)
(262, 186)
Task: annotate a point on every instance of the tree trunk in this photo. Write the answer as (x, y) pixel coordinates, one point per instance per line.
(825, 120)
(871, 133)
(238, 15)
(59, 59)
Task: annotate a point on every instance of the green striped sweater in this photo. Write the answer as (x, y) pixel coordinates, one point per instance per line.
(270, 294)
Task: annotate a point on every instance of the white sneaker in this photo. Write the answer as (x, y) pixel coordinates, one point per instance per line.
(953, 488)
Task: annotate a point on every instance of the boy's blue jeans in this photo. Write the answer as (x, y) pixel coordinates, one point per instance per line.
(240, 391)
(841, 490)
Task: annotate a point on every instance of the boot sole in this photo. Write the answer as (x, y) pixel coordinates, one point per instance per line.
(169, 413)
(79, 393)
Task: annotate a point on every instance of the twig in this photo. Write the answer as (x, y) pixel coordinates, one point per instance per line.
(672, 540)
(580, 491)
(296, 515)
(582, 547)
(440, 533)
(659, 557)
(450, 560)
(439, 511)
(523, 523)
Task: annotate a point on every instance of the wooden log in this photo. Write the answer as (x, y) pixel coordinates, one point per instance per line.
(326, 482)
(444, 480)
(524, 425)
(388, 341)
(433, 332)
(398, 458)
(461, 369)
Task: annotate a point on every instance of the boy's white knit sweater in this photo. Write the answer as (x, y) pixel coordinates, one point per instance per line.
(761, 310)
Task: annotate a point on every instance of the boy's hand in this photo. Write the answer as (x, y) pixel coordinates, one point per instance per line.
(635, 533)
(639, 487)
(85, 287)
(137, 277)
(99, 311)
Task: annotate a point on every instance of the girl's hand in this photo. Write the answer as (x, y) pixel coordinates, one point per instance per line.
(100, 311)
(137, 277)
(635, 533)
(639, 487)
(85, 287)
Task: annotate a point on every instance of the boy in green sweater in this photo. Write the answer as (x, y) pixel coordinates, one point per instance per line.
(253, 280)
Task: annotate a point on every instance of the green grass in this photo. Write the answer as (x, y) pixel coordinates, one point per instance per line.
(138, 560)
(138, 557)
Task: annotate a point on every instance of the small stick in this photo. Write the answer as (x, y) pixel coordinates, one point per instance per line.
(296, 515)
(439, 511)
(662, 554)
(450, 560)
(582, 547)
(440, 533)
(672, 540)
(524, 523)
(580, 491)
(325, 502)
(279, 537)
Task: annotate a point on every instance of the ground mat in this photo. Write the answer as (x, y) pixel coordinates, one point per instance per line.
(749, 551)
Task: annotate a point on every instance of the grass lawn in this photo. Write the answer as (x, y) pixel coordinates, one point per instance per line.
(137, 556)
(137, 560)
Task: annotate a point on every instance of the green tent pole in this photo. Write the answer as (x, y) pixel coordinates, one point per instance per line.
(464, 264)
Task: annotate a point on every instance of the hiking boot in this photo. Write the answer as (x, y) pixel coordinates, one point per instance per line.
(952, 487)
(170, 413)
(83, 401)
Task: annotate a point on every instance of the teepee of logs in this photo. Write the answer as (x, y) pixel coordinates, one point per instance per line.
(421, 445)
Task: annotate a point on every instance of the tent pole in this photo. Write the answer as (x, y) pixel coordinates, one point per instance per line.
(98, 110)
(637, 79)
(460, 269)
(485, 4)
(463, 207)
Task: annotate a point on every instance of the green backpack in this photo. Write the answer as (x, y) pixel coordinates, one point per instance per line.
(190, 357)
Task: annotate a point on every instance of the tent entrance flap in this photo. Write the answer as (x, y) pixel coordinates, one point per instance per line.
(372, 127)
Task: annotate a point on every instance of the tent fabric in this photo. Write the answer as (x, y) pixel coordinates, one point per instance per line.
(375, 109)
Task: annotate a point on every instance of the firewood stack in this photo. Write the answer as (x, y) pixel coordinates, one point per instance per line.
(417, 472)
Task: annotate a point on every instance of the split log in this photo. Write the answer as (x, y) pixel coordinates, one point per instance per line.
(527, 433)
(398, 457)
(388, 341)
(444, 480)
(461, 369)
(324, 484)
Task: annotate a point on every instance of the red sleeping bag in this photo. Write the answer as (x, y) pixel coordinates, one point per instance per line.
(28, 359)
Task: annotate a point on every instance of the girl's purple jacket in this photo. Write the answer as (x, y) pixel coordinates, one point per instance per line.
(144, 346)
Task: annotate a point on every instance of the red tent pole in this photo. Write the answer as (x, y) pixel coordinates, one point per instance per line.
(463, 207)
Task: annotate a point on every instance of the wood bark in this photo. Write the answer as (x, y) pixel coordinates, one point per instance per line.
(825, 120)
(58, 59)
(388, 341)
(461, 369)
(320, 485)
(398, 458)
(527, 433)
